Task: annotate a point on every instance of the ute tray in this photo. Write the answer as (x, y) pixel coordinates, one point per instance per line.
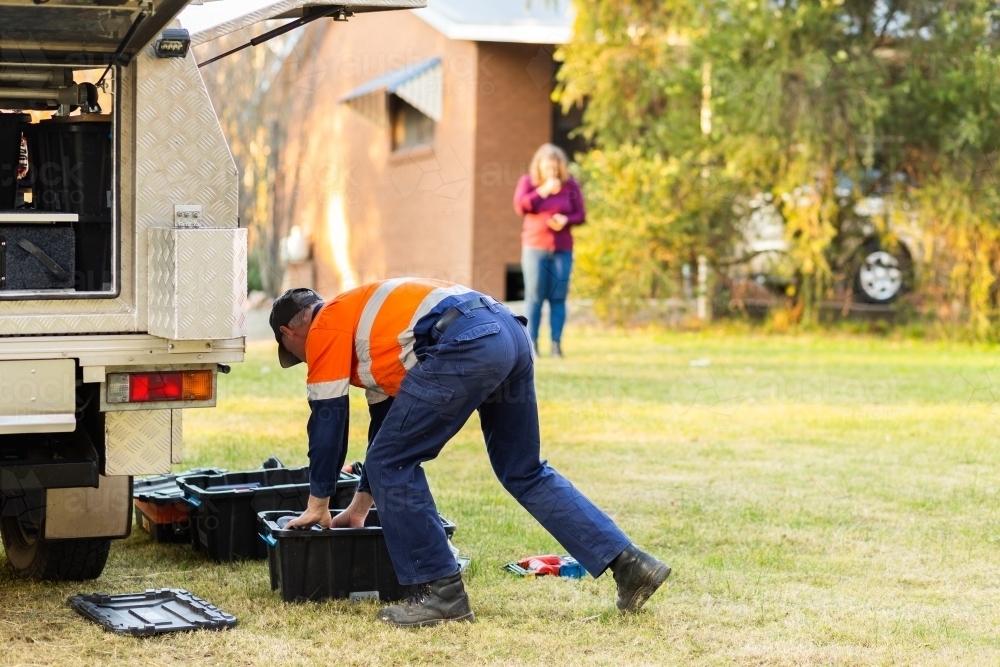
(154, 612)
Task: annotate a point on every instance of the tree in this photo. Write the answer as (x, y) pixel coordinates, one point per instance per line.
(694, 108)
(251, 115)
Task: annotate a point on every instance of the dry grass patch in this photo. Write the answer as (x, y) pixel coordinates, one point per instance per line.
(821, 501)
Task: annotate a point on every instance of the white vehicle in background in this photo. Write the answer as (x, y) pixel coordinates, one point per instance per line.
(122, 260)
(872, 268)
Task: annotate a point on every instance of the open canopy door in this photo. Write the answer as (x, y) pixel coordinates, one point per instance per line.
(80, 33)
(213, 20)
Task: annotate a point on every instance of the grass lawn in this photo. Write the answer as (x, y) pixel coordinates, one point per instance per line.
(822, 502)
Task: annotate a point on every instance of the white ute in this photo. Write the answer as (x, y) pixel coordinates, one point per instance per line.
(122, 260)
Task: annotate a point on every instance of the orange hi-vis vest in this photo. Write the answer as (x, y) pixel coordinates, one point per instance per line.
(364, 337)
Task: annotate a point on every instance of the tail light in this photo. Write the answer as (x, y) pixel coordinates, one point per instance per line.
(160, 386)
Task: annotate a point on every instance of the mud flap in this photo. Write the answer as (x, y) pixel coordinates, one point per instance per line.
(84, 512)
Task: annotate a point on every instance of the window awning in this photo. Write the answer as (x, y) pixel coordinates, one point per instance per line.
(418, 84)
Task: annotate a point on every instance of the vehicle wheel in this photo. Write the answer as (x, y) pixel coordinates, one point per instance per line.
(57, 560)
(882, 276)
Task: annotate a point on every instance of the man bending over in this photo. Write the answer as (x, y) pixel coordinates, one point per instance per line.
(428, 354)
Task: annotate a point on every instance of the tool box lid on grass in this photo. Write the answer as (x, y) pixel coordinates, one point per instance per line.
(151, 613)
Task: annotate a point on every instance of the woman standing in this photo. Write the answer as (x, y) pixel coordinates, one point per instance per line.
(551, 203)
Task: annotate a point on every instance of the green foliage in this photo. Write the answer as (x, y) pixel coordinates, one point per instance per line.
(695, 107)
(641, 198)
(255, 282)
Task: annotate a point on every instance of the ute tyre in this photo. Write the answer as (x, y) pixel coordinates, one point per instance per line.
(56, 560)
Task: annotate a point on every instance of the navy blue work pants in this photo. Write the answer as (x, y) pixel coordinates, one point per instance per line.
(481, 362)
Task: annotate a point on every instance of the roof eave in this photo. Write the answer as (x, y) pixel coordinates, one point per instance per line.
(523, 33)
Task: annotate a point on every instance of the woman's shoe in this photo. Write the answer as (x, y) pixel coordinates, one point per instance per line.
(556, 351)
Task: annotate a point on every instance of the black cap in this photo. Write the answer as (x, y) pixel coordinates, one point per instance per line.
(284, 309)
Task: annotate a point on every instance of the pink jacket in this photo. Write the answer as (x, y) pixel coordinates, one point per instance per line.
(537, 211)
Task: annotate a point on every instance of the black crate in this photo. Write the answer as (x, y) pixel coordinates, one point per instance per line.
(160, 508)
(347, 563)
(225, 507)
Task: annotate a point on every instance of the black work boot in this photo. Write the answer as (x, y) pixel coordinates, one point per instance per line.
(638, 575)
(437, 602)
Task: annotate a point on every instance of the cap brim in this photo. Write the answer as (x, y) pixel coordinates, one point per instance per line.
(286, 358)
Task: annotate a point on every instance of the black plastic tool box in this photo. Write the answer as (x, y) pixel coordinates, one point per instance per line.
(225, 507)
(151, 613)
(160, 508)
(319, 564)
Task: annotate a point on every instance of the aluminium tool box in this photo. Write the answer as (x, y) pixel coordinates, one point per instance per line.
(346, 563)
(160, 508)
(225, 507)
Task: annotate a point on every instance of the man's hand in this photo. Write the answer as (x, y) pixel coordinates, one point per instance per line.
(558, 221)
(317, 512)
(356, 513)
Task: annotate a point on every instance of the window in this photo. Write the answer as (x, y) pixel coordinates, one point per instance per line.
(410, 126)
(60, 219)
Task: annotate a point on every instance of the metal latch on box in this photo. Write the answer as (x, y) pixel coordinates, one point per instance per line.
(187, 216)
(189, 346)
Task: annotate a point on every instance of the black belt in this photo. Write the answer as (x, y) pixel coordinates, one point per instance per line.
(455, 312)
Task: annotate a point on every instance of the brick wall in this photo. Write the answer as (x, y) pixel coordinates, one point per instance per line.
(380, 213)
(513, 118)
(441, 212)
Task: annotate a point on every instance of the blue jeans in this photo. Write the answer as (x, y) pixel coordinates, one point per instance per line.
(546, 278)
(481, 362)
